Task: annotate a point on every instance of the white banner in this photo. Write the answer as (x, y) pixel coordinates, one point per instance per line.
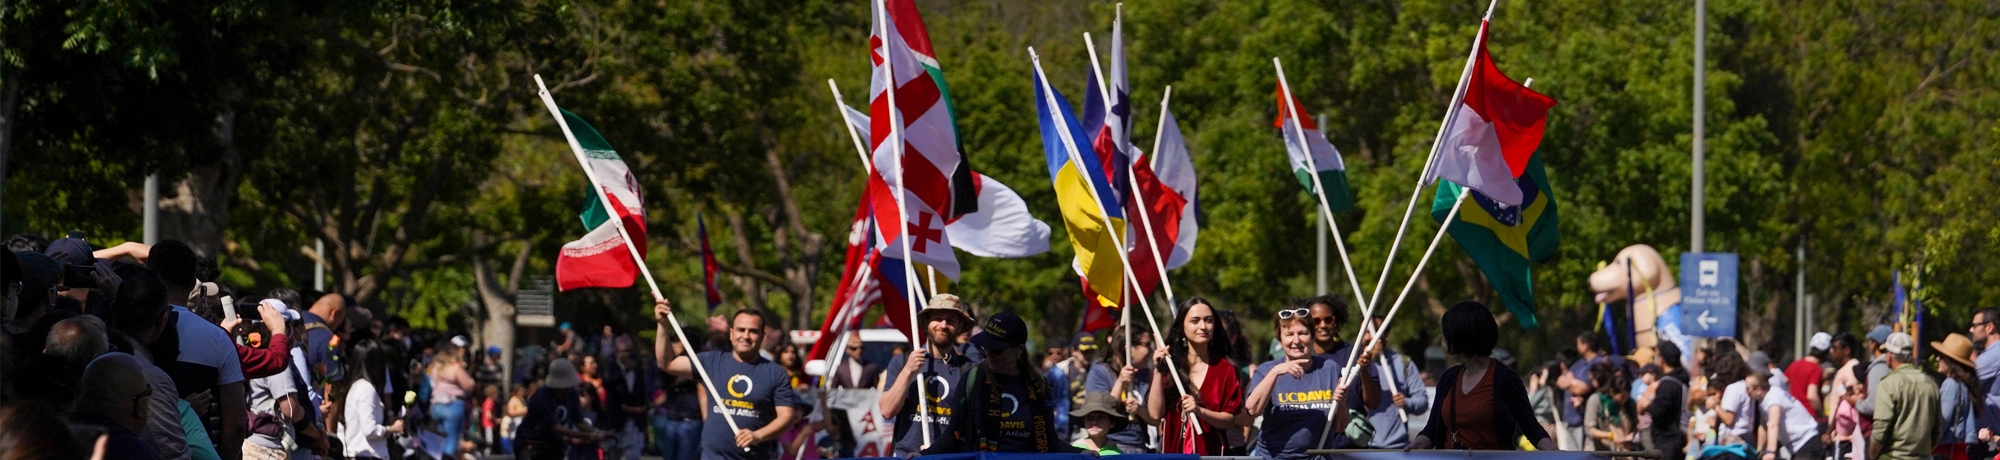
(873, 437)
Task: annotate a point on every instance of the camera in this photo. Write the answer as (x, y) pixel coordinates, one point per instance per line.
(79, 276)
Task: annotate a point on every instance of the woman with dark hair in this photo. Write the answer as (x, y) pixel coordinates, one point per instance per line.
(362, 432)
(1130, 383)
(1608, 418)
(1481, 404)
(1200, 354)
(1956, 396)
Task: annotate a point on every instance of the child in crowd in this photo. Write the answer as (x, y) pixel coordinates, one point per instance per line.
(1100, 416)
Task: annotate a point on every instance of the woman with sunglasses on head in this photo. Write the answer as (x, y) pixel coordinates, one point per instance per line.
(1199, 358)
(1291, 392)
(1482, 404)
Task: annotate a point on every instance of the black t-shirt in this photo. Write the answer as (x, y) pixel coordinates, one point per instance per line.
(1668, 406)
(549, 408)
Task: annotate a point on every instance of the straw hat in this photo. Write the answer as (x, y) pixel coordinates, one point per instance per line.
(1957, 347)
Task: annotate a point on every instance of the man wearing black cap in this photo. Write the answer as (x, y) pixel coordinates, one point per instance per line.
(941, 369)
(1007, 406)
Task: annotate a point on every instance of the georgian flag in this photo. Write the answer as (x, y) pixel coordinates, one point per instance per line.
(1000, 227)
(913, 163)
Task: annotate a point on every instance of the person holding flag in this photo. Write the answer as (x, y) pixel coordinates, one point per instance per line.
(758, 392)
(938, 366)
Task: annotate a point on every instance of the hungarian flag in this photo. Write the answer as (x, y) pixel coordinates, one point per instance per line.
(910, 181)
(1079, 186)
(1493, 131)
(1325, 161)
(600, 258)
(1166, 184)
(1000, 227)
(708, 265)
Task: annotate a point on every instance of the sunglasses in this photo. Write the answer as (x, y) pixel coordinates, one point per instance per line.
(1294, 313)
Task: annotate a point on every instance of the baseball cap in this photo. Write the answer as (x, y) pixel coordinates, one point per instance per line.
(1001, 330)
(1898, 343)
(1085, 342)
(70, 251)
(460, 341)
(1820, 341)
(283, 310)
(1880, 334)
(1760, 363)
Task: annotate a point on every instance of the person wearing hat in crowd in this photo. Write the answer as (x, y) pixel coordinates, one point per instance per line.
(1906, 406)
(941, 368)
(1129, 382)
(756, 392)
(1292, 393)
(1067, 378)
(1760, 362)
(1803, 378)
(1006, 406)
(1955, 401)
(1878, 367)
(555, 416)
(1099, 415)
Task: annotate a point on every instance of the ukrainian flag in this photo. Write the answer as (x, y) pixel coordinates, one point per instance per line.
(1503, 239)
(1062, 139)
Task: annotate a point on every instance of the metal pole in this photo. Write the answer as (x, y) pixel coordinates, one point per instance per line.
(1320, 221)
(1700, 110)
(319, 267)
(1799, 297)
(151, 211)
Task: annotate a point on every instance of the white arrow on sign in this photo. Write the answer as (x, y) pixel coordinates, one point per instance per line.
(1705, 320)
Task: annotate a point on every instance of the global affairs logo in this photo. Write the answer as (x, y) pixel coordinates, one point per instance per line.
(747, 385)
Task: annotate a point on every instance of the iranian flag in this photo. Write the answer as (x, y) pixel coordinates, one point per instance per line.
(600, 259)
(1493, 130)
(1297, 123)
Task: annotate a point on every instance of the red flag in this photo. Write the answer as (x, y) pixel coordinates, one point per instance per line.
(1493, 132)
(1097, 315)
(708, 265)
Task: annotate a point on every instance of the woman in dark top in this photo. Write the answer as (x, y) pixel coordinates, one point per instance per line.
(1482, 404)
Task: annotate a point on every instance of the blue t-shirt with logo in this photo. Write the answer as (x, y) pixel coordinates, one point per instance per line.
(1101, 379)
(1297, 414)
(944, 379)
(751, 392)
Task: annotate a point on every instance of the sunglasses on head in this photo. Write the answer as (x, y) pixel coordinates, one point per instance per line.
(1294, 313)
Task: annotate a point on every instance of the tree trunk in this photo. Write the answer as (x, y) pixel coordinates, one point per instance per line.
(10, 98)
(497, 329)
(196, 208)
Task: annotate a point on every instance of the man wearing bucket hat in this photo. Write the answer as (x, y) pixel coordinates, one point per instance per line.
(1100, 415)
(941, 368)
(554, 412)
(1906, 406)
(1008, 407)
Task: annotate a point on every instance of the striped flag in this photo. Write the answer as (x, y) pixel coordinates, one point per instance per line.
(1494, 131)
(1331, 171)
(910, 25)
(600, 258)
(1078, 186)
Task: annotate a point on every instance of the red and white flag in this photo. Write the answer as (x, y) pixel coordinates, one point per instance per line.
(913, 163)
(1167, 190)
(1000, 227)
(1493, 132)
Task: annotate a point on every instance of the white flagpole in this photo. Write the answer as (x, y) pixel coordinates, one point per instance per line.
(1457, 98)
(1125, 293)
(1062, 125)
(1145, 214)
(903, 215)
(647, 273)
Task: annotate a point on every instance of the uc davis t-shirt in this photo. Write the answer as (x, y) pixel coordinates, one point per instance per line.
(751, 392)
(1009, 422)
(1297, 414)
(943, 379)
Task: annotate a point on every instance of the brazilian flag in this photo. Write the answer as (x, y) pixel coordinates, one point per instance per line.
(1503, 239)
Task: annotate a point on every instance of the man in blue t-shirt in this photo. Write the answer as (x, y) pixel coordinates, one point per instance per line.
(1129, 382)
(941, 369)
(554, 412)
(1405, 396)
(756, 393)
(1576, 383)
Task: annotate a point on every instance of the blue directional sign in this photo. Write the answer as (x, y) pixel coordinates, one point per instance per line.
(1708, 294)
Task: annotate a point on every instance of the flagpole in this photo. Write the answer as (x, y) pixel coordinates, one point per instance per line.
(1173, 305)
(577, 149)
(1090, 185)
(1374, 338)
(1125, 291)
(1457, 98)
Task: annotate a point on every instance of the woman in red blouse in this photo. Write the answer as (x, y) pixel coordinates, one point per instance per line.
(1199, 358)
